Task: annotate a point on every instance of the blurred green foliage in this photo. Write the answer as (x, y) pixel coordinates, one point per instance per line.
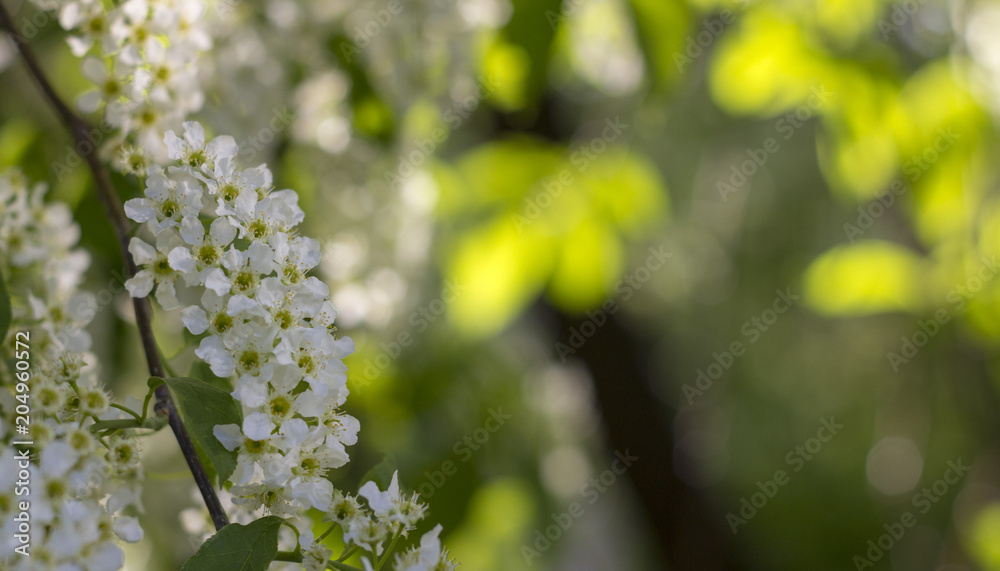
(541, 202)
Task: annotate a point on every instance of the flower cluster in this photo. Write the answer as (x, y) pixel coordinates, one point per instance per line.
(388, 516)
(138, 54)
(227, 235)
(81, 481)
(222, 235)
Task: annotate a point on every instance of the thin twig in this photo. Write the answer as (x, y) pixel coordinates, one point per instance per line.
(80, 129)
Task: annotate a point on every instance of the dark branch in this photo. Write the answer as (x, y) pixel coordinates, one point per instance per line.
(80, 129)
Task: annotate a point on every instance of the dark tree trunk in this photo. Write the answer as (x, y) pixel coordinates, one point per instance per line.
(690, 536)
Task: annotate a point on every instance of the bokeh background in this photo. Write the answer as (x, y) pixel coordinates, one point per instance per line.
(692, 232)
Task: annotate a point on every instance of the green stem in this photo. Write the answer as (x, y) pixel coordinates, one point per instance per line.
(348, 551)
(145, 403)
(118, 424)
(388, 552)
(289, 556)
(293, 528)
(341, 566)
(155, 423)
(128, 410)
(326, 533)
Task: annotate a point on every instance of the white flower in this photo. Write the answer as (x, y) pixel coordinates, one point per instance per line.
(277, 303)
(155, 269)
(251, 452)
(343, 509)
(182, 21)
(274, 213)
(229, 435)
(367, 533)
(315, 492)
(79, 486)
(428, 557)
(382, 503)
(314, 554)
(251, 348)
(257, 496)
(258, 426)
(57, 458)
(211, 316)
(294, 257)
(131, 160)
(167, 200)
(317, 356)
(191, 150)
(236, 192)
(204, 252)
(343, 427)
(63, 313)
(128, 529)
(109, 86)
(243, 270)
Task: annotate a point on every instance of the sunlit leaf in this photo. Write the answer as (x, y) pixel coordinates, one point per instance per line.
(627, 189)
(765, 65)
(590, 261)
(499, 516)
(863, 278)
(984, 538)
(503, 269)
(662, 29)
(546, 220)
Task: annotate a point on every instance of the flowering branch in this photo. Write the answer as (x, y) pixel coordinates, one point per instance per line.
(79, 129)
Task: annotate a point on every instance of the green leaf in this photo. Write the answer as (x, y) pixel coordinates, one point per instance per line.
(201, 370)
(208, 464)
(5, 311)
(238, 547)
(202, 407)
(662, 29)
(382, 472)
(865, 278)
